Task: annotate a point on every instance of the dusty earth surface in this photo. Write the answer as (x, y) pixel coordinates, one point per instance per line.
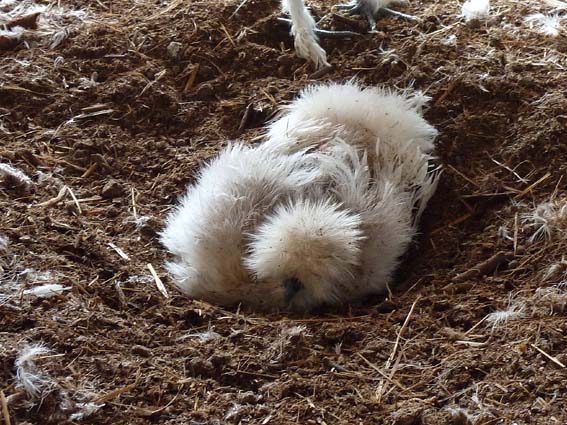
(111, 121)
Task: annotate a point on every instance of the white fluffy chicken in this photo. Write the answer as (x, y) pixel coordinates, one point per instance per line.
(305, 31)
(319, 213)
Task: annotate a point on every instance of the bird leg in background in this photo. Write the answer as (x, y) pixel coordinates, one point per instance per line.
(364, 8)
(390, 12)
(303, 29)
(306, 34)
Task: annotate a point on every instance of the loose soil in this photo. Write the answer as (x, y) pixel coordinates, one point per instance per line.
(125, 125)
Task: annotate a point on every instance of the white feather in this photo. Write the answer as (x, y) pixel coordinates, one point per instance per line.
(27, 375)
(557, 4)
(475, 9)
(548, 219)
(331, 198)
(47, 291)
(450, 40)
(85, 410)
(53, 21)
(502, 317)
(546, 24)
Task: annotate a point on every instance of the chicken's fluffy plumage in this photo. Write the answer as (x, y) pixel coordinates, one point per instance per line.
(326, 206)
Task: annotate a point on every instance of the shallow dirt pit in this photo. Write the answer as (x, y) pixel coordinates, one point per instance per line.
(107, 121)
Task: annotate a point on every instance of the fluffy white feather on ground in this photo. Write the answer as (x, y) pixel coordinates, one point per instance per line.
(321, 212)
(53, 21)
(203, 337)
(27, 376)
(546, 24)
(85, 410)
(547, 220)
(6, 3)
(450, 40)
(47, 291)
(500, 318)
(475, 9)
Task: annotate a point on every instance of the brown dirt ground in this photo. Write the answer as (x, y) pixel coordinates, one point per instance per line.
(499, 101)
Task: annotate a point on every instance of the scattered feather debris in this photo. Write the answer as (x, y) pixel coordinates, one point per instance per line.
(475, 9)
(47, 291)
(85, 410)
(203, 337)
(27, 375)
(27, 21)
(501, 318)
(449, 41)
(547, 220)
(291, 341)
(33, 275)
(545, 24)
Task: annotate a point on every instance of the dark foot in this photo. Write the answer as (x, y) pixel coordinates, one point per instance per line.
(389, 12)
(326, 33)
(359, 8)
(362, 9)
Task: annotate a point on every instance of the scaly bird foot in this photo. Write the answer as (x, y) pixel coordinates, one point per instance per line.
(362, 8)
(325, 33)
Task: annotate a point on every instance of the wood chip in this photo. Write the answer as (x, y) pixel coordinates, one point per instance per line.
(550, 357)
(159, 283)
(5, 411)
(28, 22)
(191, 80)
(119, 251)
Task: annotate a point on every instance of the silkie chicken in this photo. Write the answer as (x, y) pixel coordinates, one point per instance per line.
(305, 31)
(320, 213)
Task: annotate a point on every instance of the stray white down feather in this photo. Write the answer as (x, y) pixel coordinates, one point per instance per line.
(320, 213)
